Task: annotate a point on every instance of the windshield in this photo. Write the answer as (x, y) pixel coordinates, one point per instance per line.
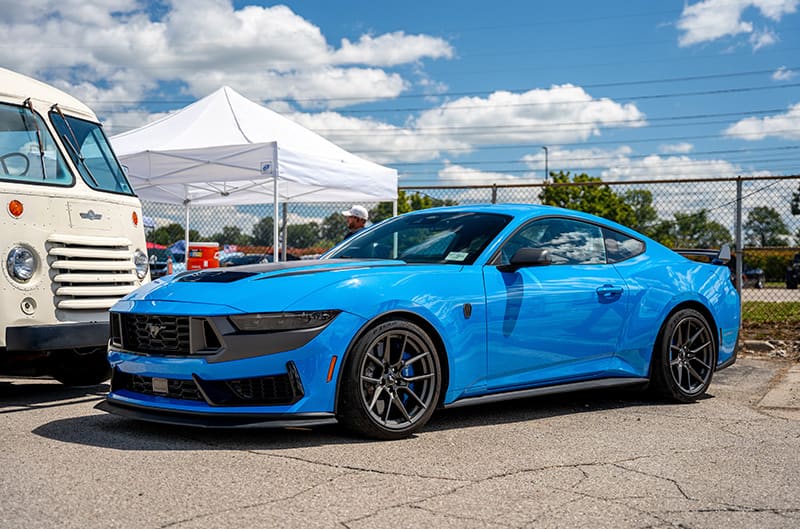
(89, 149)
(439, 237)
(20, 160)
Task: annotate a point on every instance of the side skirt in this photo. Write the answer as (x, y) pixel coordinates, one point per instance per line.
(548, 390)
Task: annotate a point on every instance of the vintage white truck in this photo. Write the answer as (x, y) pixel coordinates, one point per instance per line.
(71, 234)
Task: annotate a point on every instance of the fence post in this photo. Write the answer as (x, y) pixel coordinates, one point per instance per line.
(494, 193)
(738, 228)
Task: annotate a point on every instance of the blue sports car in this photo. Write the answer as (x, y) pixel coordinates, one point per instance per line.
(437, 308)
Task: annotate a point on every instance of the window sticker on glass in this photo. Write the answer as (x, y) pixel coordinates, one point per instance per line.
(456, 256)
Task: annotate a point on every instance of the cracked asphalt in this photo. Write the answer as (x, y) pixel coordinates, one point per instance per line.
(595, 459)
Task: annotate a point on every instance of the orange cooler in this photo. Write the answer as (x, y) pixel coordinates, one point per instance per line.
(203, 255)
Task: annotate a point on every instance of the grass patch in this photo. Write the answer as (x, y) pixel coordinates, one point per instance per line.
(769, 312)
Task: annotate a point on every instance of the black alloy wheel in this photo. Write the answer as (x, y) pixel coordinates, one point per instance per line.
(392, 381)
(685, 357)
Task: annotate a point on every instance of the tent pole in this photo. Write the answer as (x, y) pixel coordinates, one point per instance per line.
(186, 233)
(275, 255)
(285, 238)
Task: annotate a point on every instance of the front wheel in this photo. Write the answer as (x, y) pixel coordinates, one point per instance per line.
(391, 383)
(684, 357)
(82, 366)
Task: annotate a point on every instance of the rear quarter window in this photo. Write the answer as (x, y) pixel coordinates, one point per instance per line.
(620, 247)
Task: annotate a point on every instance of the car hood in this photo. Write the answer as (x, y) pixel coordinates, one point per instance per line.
(263, 287)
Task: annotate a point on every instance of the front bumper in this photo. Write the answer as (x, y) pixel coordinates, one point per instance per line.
(215, 420)
(57, 336)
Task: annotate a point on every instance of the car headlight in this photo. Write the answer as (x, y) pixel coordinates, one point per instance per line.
(21, 263)
(283, 321)
(140, 261)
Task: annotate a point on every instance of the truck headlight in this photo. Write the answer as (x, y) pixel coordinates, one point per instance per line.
(21, 263)
(140, 261)
(283, 321)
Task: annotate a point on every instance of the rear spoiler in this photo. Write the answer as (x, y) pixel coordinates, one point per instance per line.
(717, 257)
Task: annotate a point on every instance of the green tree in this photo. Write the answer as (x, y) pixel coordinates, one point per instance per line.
(302, 235)
(590, 197)
(232, 235)
(406, 203)
(691, 230)
(765, 227)
(262, 232)
(170, 233)
(332, 229)
(644, 214)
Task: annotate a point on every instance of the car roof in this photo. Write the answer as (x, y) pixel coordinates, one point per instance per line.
(527, 211)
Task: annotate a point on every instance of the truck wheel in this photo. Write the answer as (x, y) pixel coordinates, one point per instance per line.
(81, 367)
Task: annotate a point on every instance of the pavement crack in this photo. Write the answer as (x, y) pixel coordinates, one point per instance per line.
(253, 505)
(669, 480)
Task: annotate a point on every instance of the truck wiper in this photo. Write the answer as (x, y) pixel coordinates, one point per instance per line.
(29, 104)
(74, 146)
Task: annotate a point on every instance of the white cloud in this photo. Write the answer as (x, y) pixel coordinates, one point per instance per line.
(560, 114)
(785, 126)
(761, 39)
(378, 141)
(391, 49)
(710, 20)
(676, 148)
(783, 74)
(264, 52)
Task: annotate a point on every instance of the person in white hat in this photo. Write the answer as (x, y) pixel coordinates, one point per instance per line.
(356, 219)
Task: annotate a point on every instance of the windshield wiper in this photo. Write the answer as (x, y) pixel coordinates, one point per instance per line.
(29, 104)
(74, 146)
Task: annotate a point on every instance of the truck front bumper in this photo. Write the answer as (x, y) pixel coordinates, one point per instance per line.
(56, 337)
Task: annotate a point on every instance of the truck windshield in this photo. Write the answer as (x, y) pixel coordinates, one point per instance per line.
(21, 134)
(91, 153)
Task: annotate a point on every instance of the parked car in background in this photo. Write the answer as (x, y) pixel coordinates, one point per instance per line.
(793, 273)
(159, 264)
(436, 308)
(243, 259)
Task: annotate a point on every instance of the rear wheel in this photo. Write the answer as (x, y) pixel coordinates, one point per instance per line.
(684, 359)
(391, 383)
(84, 366)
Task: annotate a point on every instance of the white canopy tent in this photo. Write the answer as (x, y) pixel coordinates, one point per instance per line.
(227, 150)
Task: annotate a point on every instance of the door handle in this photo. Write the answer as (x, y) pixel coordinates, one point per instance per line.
(609, 291)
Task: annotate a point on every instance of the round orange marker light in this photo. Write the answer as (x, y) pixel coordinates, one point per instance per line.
(15, 208)
(135, 219)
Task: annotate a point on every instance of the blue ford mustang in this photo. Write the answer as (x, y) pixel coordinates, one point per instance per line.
(437, 308)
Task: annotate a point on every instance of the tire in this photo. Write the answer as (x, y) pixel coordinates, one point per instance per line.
(684, 357)
(392, 382)
(81, 367)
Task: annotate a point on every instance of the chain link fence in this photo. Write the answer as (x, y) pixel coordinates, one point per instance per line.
(758, 216)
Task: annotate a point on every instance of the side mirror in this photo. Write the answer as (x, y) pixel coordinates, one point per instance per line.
(525, 257)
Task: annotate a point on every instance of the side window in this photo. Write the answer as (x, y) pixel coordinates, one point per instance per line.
(568, 241)
(620, 247)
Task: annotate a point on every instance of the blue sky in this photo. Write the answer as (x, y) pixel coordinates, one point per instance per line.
(452, 92)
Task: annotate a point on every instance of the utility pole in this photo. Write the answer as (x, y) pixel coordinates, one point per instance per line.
(546, 168)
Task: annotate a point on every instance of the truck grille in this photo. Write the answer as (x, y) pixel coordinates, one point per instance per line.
(90, 273)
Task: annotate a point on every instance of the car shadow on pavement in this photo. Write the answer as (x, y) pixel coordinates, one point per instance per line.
(17, 395)
(114, 432)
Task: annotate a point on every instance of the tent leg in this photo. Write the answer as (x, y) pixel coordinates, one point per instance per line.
(186, 235)
(275, 255)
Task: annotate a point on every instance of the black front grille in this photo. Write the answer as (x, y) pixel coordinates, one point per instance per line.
(177, 389)
(276, 389)
(270, 390)
(159, 335)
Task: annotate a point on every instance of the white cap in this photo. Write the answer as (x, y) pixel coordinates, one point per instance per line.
(356, 211)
